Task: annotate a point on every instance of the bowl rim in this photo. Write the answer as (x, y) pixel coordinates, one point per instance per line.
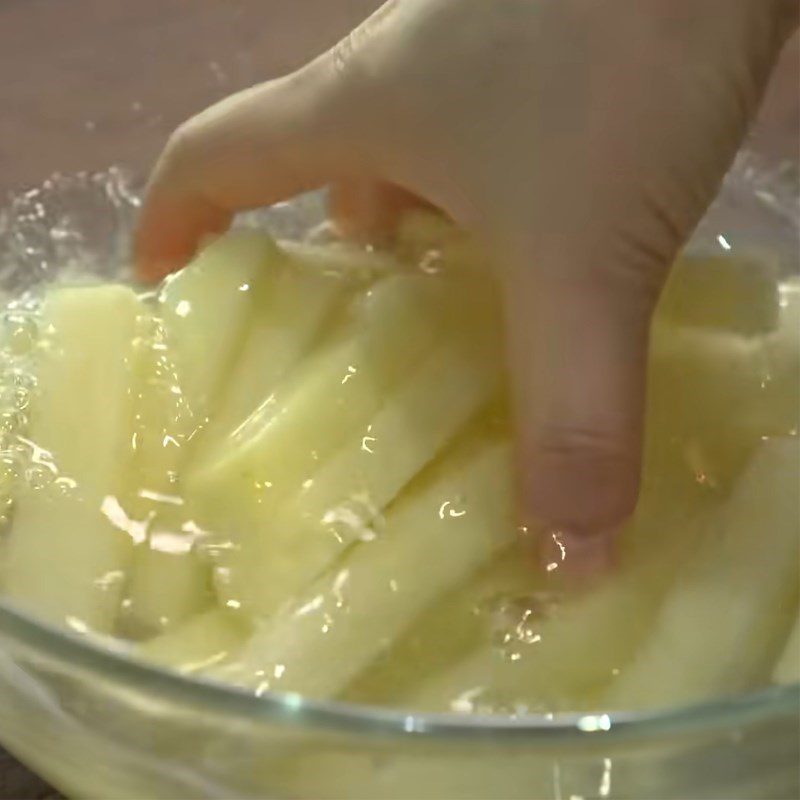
(94, 658)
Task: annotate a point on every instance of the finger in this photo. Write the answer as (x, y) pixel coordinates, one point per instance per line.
(252, 149)
(369, 211)
(578, 360)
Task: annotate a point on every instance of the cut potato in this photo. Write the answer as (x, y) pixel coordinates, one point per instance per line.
(556, 651)
(434, 539)
(722, 294)
(72, 541)
(325, 402)
(434, 243)
(306, 291)
(342, 260)
(698, 375)
(481, 682)
(723, 620)
(168, 583)
(450, 630)
(164, 420)
(350, 491)
(207, 307)
(787, 669)
(206, 640)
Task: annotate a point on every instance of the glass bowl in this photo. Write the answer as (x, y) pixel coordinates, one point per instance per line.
(103, 84)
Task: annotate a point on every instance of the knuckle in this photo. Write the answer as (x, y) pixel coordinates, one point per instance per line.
(592, 473)
(181, 148)
(592, 445)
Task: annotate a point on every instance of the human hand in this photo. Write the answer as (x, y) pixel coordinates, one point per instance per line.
(581, 140)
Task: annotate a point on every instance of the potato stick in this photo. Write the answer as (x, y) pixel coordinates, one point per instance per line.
(549, 652)
(697, 375)
(721, 293)
(433, 540)
(168, 582)
(331, 396)
(718, 626)
(305, 292)
(448, 631)
(166, 585)
(206, 640)
(206, 309)
(71, 541)
(787, 670)
(340, 503)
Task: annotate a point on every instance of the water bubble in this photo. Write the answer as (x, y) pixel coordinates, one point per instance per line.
(21, 333)
(20, 398)
(516, 621)
(432, 262)
(12, 421)
(39, 476)
(10, 469)
(6, 514)
(20, 379)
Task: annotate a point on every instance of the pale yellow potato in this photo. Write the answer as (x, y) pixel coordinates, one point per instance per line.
(716, 393)
(71, 542)
(722, 293)
(327, 400)
(308, 289)
(558, 648)
(209, 639)
(169, 582)
(434, 539)
(449, 630)
(208, 306)
(725, 618)
(787, 670)
(344, 500)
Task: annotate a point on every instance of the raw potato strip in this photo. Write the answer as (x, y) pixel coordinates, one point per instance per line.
(340, 503)
(471, 686)
(309, 285)
(286, 303)
(723, 294)
(431, 241)
(782, 353)
(721, 622)
(342, 260)
(207, 307)
(433, 540)
(205, 312)
(326, 401)
(168, 581)
(697, 375)
(66, 556)
(558, 653)
(787, 670)
(206, 640)
(449, 631)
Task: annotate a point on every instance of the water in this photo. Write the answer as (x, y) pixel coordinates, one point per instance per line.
(187, 564)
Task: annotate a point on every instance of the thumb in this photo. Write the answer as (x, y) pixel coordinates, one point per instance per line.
(252, 149)
(578, 353)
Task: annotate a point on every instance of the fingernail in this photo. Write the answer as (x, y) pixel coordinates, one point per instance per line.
(154, 271)
(575, 557)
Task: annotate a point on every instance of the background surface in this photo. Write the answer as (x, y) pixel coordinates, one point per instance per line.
(85, 84)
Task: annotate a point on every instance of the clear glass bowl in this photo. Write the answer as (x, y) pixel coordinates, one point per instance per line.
(95, 85)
